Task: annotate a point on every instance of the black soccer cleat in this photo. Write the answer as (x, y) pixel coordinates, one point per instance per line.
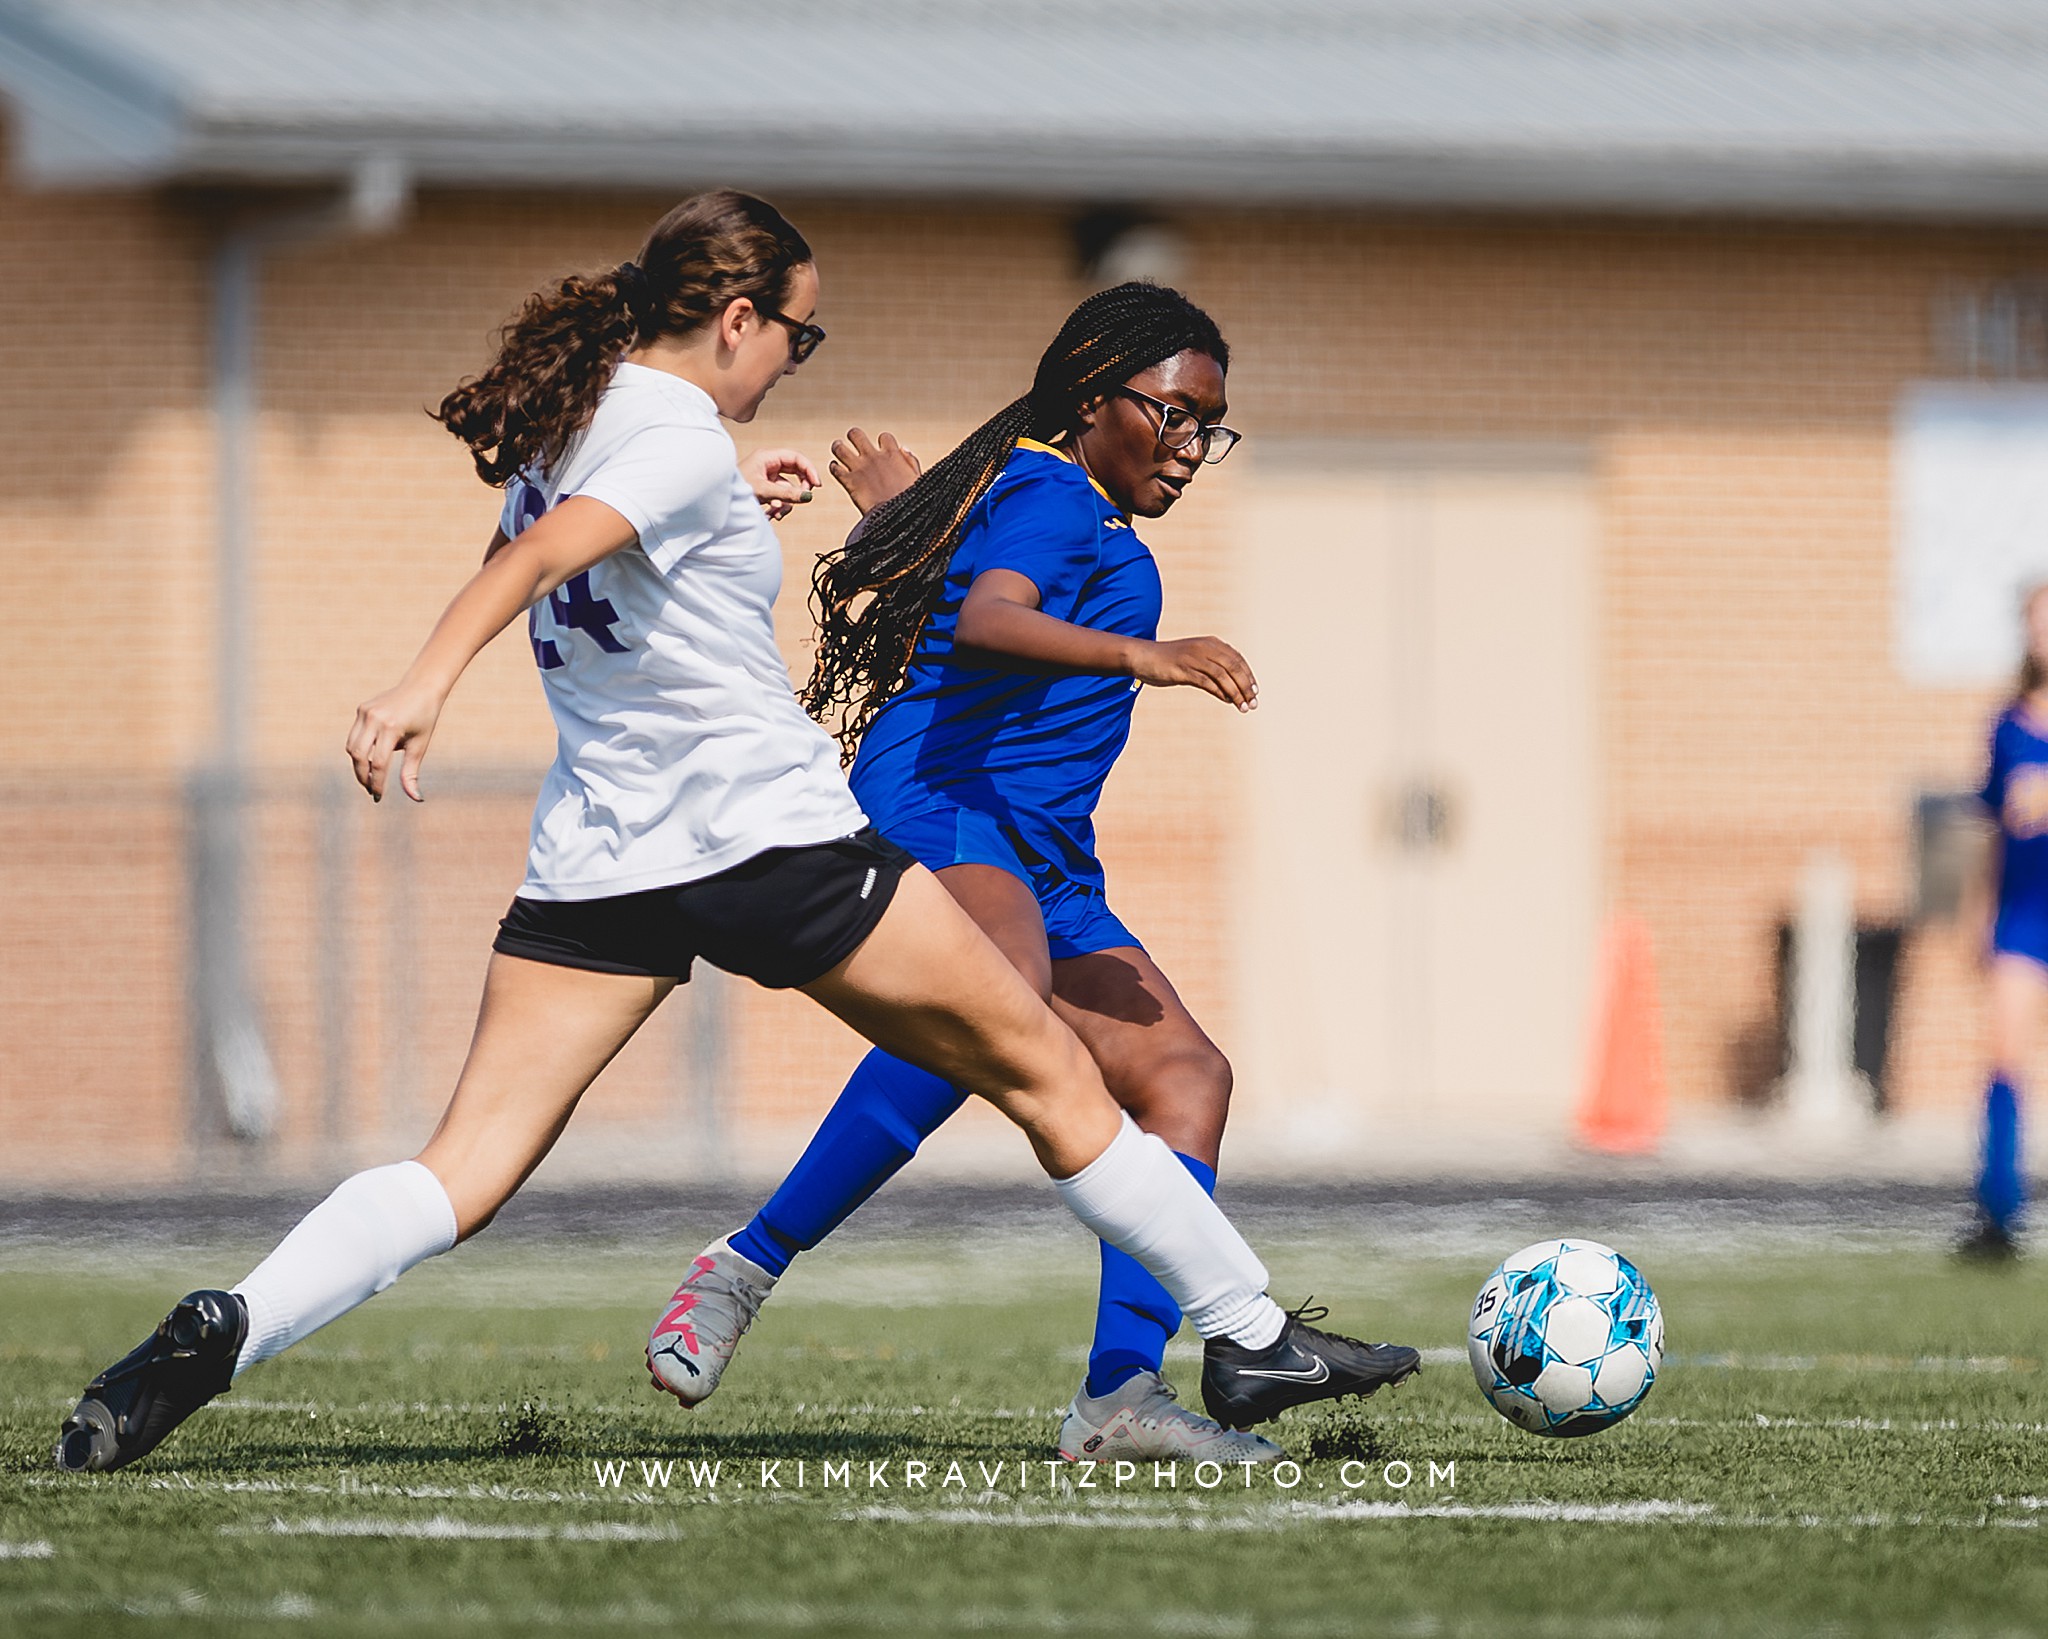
(1241, 1387)
(1988, 1242)
(129, 1408)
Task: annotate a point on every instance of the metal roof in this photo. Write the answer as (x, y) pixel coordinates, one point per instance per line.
(1879, 107)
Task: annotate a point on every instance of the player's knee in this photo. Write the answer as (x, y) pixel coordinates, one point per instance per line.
(1055, 1076)
(1198, 1076)
(1184, 1097)
(1074, 1073)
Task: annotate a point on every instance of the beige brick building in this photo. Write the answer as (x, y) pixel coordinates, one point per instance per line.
(1573, 524)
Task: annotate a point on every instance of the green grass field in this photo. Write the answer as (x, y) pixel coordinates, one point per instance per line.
(1850, 1436)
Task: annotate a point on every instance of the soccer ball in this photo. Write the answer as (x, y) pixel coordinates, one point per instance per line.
(1566, 1338)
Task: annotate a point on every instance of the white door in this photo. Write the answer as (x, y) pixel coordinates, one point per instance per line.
(1418, 885)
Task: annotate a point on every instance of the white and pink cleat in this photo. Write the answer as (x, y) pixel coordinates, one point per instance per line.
(694, 1340)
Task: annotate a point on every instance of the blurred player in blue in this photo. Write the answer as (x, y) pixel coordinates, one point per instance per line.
(2016, 792)
(983, 633)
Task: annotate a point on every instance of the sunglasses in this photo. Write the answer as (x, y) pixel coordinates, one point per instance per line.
(1179, 427)
(803, 335)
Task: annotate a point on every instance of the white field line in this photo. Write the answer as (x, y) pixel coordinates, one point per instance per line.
(409, 1408)
(1757, 1420)
(1281, 1515)
(1969, 1364)
(1482, 1418)
(190, 1602)
(347, 1486)
(421, 1408)
(443, 1529)
(473, 1408)
(747, 1616)
(1110, 1512)
(1867, 1425)
(1475, 1418)
(1729, 1360)
(27, 1550)
(1737, 1362)
(870, 1409)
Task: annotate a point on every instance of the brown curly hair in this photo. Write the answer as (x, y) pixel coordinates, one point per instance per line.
(556, 357)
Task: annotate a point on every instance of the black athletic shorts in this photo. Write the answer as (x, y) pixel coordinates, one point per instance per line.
(782, 918)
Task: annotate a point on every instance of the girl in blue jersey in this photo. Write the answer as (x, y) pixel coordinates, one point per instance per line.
(2016, 792)
(984, 633)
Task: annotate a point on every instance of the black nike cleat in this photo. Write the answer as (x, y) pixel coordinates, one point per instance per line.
(129, 1408)
(1241, 1387)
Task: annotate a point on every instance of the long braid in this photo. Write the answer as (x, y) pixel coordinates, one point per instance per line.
(873, 595)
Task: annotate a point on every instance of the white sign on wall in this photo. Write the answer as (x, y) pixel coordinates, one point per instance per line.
(1970, 526)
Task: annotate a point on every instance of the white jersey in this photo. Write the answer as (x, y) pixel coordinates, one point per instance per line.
(682, 748)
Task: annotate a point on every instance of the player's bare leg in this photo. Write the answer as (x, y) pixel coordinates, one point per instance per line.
(543, 1033)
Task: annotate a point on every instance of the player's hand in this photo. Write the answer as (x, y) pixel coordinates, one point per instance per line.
(393, 729)
(873, 470)
(780, 480)
(1206, 663)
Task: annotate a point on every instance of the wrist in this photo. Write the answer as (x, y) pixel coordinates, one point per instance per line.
(425, 677)
(1130, 655)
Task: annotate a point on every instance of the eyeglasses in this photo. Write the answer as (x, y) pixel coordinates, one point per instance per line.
(803, 336)
(1179, 427)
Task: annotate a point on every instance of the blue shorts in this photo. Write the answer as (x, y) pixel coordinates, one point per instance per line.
(2021, 931)
(1078, 920)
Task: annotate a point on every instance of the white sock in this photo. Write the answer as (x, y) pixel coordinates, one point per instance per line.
(1141, 1200)
(372, 1229)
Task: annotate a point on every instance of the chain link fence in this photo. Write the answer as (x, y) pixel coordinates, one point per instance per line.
(222, 975)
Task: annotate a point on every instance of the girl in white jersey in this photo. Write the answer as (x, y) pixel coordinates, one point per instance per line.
(692, 810)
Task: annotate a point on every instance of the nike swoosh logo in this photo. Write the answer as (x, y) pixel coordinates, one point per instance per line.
(1320, 1375)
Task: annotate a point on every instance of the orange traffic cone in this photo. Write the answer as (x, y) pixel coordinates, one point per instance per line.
(1622, 1112)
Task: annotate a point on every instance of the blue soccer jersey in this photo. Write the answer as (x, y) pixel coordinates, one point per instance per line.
(1027, 749)
(2016, 792)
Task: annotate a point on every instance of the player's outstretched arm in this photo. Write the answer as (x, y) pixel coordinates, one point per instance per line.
(1001, 617)
(397, 725)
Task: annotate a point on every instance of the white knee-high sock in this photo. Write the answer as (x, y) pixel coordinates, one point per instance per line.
(1138, 1197)
(372, 1229)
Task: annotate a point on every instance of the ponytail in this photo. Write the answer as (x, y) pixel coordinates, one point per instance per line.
(556, 357)
(895, 569)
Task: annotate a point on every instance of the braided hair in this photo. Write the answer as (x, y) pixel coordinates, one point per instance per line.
(873, 595)
(556, 357)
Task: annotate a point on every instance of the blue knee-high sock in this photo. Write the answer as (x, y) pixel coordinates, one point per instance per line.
(1134, 1316)
(887, 1109)
(2001, 1191)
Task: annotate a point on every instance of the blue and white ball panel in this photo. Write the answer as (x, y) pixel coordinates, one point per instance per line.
(1566, 1338)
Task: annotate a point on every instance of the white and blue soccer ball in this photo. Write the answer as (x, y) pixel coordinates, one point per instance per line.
(1566, 1338)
